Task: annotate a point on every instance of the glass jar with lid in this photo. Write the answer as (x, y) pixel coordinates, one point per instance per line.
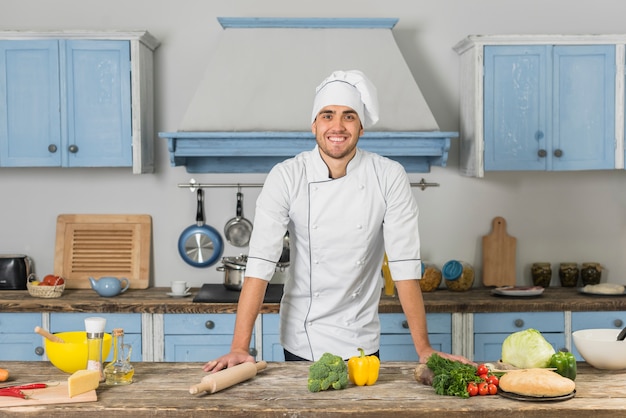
(458, 275)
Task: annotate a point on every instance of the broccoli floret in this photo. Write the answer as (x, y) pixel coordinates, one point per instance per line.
(330, 371)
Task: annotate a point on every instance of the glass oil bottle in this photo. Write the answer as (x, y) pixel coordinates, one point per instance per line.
(119, 371)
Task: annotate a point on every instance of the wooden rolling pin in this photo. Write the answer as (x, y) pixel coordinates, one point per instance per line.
(226, 378)
(49, 336)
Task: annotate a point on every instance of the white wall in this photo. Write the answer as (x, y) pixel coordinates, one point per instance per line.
(555, 216)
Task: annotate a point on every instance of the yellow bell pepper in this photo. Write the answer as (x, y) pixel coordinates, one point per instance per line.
(363, 370)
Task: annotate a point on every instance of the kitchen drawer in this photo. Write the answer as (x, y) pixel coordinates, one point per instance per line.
(586, 320)
(517, 321)
(438, 323)
(199, 337)
(198, 324)
(21, 323)
(18, 342)
(130, 323)
(201, 348)
(396, 343)
(400, 347)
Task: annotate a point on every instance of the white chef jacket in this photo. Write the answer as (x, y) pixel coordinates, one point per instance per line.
(339, 230)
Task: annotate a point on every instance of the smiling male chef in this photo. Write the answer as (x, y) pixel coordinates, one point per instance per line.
(344, 208)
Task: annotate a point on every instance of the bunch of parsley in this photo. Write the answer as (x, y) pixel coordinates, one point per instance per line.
(451, 377)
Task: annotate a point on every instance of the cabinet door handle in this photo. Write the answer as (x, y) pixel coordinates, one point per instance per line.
(542, 153)
(39, 351)
(558, 153)
(52, 148)
(405, 324)
(618, 323)
(518, 323)
(209, 324)
(73, 148)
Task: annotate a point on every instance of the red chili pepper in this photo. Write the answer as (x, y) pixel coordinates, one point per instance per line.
(29, 386)
(12, 392)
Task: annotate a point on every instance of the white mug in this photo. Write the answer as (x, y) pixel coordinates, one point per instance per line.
(179, 287)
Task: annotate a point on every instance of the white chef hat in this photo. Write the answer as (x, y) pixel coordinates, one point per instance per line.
(348, 88)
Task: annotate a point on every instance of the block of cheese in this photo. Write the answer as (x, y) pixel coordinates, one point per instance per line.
(83, 381)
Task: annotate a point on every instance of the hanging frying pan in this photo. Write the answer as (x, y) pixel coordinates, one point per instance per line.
(200, 245)
(238, 230)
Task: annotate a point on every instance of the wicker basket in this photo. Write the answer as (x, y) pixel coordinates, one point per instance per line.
(47, 292)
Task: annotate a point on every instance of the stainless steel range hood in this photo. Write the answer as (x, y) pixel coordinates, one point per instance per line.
(253, 107)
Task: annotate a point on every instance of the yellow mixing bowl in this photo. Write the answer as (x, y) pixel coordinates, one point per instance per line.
(71, 355)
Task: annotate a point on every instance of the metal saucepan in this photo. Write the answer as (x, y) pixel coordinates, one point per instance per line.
(238, 229)
(200, 245)
(234, 269)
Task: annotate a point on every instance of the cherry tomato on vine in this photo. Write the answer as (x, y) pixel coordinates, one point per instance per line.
(483, 388)
(483, 376)
(493, 379)
(482, 369)
(472, 389)
(492, 389)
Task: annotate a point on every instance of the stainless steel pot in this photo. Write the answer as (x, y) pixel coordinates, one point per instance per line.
(234, 269)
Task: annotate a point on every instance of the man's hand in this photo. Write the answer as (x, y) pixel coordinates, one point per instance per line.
(454, 357)
(228, 360)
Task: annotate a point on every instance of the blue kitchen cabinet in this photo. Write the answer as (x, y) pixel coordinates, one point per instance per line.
(65, 103)
(198, 337)
(396, 343)
(592, 320)
(130, 323)
(18, 341)
(491, 329)
(549, 107)
(76, 102)
(272, 349)
(540, 103)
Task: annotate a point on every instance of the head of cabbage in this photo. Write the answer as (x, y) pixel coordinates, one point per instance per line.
(527, 349)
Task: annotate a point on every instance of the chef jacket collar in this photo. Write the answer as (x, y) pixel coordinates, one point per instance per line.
(321, 169)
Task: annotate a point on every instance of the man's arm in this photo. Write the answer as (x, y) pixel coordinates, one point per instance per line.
(248, 307)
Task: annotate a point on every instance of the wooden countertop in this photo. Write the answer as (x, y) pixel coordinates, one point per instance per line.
(155, 300)
(162, 389)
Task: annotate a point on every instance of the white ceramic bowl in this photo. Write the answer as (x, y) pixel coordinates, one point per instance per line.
(600, 348)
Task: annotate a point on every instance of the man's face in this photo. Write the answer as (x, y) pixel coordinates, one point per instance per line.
(337, 130)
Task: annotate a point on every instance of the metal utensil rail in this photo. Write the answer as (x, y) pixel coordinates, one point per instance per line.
(193, 185)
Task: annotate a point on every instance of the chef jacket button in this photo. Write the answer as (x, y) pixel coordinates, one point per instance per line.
(362, 186)
(316, 261)
(316, 294)
(359, 227)
(314, 227)
(309, 323)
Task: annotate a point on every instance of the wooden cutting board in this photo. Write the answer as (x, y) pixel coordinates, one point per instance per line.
(50, 395)
(103, 245)
(499, 256)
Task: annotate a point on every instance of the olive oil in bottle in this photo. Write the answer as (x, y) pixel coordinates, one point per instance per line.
(119, 371)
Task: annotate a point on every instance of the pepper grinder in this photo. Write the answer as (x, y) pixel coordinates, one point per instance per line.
(95, 335)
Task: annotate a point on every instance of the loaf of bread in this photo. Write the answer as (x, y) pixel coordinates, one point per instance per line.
(536, 382)
(604, 289)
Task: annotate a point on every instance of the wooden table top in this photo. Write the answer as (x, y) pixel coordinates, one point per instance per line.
(155, 300)
(162, 389)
